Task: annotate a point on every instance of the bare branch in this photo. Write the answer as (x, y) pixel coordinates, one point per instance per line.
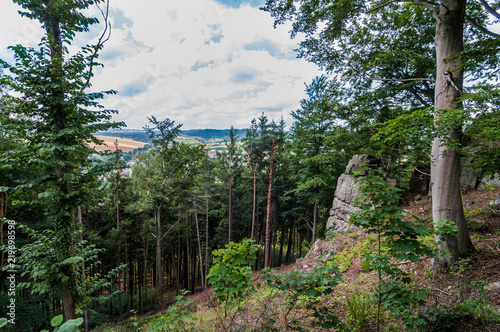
(480, 27)
(429, 5)
(490, 9)
(418, 96)
(102, 39)
(449, 79)
(382, 5)
(421, 172)
(401, 79)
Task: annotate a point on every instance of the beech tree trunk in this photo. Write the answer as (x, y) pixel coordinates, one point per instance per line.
(445, 169)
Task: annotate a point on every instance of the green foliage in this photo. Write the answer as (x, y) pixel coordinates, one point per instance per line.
(308, 287)
(446, 228)
(38, 261)
(358, 310)
(231, 278)
(70, 325)
(466, 310)
(178, 316)
(345, 258)
(49, 109)
(230, 273)
(397, 239)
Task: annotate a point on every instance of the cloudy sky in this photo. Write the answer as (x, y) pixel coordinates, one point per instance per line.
(203, 63)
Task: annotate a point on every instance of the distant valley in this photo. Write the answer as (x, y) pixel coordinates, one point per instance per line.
(132, 139)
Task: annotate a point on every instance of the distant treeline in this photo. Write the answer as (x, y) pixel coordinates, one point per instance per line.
(203, 134)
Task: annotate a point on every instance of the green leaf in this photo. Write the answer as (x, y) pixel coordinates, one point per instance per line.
(3, 322)
(57, 320)
(70, 325)
(72, 260)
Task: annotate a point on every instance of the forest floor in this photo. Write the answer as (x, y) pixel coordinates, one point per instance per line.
(462, 298)
(465, 287)
(483, 264)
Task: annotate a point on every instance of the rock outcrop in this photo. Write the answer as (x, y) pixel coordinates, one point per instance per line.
(347, 192)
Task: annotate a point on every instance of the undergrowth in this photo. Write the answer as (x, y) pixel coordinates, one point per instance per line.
(339, 296)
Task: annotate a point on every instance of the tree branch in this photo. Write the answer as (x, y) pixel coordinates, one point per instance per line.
(102, 39)
(402, 79)
(429, 5)
(420, 99)
(490, 9)
(382, 5)
(480, 27)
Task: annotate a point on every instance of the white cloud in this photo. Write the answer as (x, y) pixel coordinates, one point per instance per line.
(196, 62)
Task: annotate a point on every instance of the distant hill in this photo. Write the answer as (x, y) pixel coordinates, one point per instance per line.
(210, 134)
(200, 135)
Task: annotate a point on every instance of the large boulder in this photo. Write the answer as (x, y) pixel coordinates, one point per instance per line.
(342, 208)
(346, 193)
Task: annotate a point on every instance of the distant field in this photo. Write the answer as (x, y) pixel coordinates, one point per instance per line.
(124, 144)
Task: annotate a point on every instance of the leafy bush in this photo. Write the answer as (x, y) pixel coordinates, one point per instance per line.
(231, 277)
(307, 288)
(178, 317)
(397, 239)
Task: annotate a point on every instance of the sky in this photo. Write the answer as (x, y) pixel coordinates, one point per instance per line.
(203, 63)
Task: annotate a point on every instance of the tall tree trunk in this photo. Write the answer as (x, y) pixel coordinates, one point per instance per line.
(84, 276)
(188, 258)
(445, 170)
(254, 173)
(159, 261)
(254, 206)
(178, 254)
(315, 222)
(230, 214)
(282, 244)
(145, 272)
(199, 245)
(206, 240)
(290, 241)
(268, 216)
(63, 226)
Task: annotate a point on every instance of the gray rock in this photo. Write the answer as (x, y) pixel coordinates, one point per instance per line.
(490, 181)
(492, 286)
(495, 202)
(469, 177)
(356, 162)
(345, 195)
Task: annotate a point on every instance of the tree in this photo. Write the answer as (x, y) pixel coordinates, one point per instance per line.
(330, 29)
(250, 142)
(157, 178)
(230, 160)
(312, 146)
(50, 109)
